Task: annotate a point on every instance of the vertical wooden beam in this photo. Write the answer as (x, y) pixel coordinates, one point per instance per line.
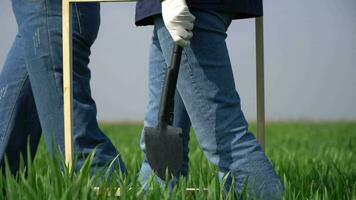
(260, 85)
(67, 81)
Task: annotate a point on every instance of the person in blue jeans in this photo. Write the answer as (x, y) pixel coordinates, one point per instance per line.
(31, 96)
(206, 97)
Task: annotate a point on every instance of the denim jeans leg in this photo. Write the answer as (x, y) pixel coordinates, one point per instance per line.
(155, 83)
(41, 26)
(207, 88)
(157, 71)
(19, 123)
(182, 120)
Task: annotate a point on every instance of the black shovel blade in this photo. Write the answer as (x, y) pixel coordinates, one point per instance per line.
(164, 150)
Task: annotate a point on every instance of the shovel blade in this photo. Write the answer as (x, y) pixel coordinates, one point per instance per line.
(164, 150)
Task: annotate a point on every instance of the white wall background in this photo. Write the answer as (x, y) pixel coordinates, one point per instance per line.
(310, 60)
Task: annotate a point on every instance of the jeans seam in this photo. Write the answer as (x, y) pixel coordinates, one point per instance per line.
(51, 49)
(77, 11)
(204, 106)
(6, 138)
(196, 87)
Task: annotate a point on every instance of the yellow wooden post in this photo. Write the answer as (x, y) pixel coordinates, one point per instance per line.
(67, 80)
(260, 85)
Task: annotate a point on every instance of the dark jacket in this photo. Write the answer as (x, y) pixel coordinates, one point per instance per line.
(146, 9)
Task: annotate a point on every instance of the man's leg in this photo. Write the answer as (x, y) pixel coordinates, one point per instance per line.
(40, 24)
(19, 123)
(206, 85)
(157, 72)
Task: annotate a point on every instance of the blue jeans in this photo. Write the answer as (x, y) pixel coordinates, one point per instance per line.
(31, 97)
(207, 99)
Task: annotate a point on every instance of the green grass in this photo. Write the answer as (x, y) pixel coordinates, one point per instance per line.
(314, 161)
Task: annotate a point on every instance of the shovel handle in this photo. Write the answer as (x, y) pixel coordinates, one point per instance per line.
(169, 89)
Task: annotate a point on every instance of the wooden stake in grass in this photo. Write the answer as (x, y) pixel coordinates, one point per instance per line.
(260, 81)
(67, 81)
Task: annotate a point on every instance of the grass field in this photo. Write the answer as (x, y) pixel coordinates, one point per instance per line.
(314, 161)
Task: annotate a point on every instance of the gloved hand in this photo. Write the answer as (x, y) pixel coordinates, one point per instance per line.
(178, 21)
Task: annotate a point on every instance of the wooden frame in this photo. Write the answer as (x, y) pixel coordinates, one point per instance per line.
(68, 76)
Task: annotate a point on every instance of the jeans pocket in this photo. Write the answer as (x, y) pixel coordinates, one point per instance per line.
(225, 17)
(212, 20)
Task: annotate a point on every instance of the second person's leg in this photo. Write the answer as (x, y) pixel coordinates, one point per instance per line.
(157, 72)
(40, 23)
(206, 85)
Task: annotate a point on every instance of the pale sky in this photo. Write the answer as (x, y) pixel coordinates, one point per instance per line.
(310, 55)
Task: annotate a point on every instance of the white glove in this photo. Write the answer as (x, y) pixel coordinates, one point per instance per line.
(178, 21)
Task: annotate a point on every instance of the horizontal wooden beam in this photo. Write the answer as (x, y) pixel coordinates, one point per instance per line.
(88, 1)
(188, 191)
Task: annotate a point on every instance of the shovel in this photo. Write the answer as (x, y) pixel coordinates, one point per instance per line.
(164, 144)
